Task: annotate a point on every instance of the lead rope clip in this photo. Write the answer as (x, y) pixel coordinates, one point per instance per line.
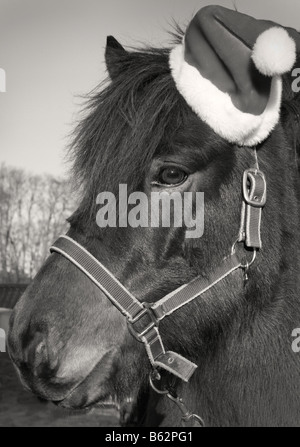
(188, 418)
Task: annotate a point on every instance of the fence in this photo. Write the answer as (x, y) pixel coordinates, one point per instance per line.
(10, 294)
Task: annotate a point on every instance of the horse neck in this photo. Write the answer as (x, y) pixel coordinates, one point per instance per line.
(250, 377)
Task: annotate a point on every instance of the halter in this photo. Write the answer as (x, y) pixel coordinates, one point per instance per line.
(143, 318)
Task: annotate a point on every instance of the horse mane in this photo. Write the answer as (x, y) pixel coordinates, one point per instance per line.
(127, 121)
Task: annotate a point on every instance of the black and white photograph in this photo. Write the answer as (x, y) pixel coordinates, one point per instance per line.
(150, 216)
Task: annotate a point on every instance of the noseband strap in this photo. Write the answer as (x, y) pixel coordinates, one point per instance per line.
(143, 318)
(122, 299)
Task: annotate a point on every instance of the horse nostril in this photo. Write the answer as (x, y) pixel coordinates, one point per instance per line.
(36, 354)
(31, 354)
(39, 359)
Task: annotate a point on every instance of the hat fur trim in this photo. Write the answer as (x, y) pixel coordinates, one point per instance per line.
(216, 108)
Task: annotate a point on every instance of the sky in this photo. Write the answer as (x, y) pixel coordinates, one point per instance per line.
(52, 52)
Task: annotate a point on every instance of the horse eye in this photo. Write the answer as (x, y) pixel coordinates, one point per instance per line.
(172, 176)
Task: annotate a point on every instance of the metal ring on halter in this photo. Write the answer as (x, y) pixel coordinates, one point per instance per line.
(165, 392)
(248, 264)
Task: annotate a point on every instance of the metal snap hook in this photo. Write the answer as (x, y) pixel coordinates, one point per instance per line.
(187, 417)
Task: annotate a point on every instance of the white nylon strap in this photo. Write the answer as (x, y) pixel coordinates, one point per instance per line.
(189, 292)
(254, 199)
(125, 302)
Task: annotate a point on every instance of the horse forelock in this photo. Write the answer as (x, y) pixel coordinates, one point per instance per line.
(126, 123)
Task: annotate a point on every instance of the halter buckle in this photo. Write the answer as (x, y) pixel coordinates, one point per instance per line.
(140, 325)
(254, 176)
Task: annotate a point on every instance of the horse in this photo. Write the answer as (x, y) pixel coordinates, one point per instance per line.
(72, 346)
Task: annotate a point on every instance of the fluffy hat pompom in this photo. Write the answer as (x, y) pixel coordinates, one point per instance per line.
(274, 52)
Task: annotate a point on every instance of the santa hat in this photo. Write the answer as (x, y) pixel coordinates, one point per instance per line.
(229, 67)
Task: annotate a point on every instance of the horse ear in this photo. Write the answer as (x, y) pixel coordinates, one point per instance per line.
(113, 56)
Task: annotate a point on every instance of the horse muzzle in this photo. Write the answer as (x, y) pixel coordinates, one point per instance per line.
(71, 379)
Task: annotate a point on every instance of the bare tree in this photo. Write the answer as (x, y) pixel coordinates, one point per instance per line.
(33, 212)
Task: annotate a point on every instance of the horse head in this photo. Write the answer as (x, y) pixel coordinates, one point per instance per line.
(71, 345)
